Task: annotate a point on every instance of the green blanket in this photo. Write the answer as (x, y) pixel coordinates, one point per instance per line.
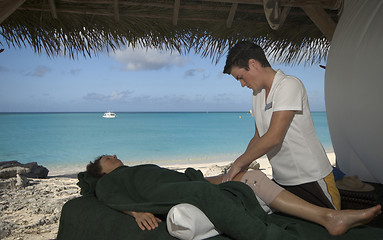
(231, 206)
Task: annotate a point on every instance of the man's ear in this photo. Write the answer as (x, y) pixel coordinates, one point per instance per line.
(254, 64)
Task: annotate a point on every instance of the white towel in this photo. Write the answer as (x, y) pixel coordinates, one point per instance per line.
(187, 222)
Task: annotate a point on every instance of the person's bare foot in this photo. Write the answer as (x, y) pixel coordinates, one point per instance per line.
(340, 222)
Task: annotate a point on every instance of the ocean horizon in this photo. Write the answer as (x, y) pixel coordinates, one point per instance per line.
(69, 140)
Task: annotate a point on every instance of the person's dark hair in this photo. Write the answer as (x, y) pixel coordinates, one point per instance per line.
(94, 168)
(241, 53)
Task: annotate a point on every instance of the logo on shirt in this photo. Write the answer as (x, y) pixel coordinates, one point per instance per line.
(268, 106)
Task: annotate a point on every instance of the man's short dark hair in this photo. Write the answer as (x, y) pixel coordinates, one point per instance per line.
(94, 168)
(241, 53)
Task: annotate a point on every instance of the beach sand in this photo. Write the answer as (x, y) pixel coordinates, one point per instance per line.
(33, 212)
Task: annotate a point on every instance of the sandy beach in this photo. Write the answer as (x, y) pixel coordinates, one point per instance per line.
(33, 212)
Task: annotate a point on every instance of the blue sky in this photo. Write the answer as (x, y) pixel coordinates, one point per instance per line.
(130, 81)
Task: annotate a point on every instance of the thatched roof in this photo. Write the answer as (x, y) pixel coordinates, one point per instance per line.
(208, 27)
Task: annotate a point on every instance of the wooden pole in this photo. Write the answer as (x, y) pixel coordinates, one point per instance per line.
(321, 19)
(7, 7)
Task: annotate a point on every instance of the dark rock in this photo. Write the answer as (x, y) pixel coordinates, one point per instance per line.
(8, 164)
(10, 169)
(37, 171)
(21, 181)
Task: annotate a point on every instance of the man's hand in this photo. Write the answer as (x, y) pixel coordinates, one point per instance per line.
(234, 170)
(145, 220)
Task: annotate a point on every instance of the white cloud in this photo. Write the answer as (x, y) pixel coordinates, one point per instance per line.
(3, 69)
(230, 98)
(74, 71)
(114, 96)
(94, 96)
(147, 59)
(39, 71)
(117, 96)
(193, 72)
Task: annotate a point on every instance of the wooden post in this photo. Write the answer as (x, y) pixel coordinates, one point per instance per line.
(52, 6)
(176, 11)
(321, 19)
(116, 11)
(7, 7)
(231, 15)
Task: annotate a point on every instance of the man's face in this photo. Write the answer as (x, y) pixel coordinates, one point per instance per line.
(108, 163)
(247, 78)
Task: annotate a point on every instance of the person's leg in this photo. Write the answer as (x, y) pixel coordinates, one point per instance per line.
(218, 179)
(227, 211)
(264, 189)
(261, 185)
(336, 222)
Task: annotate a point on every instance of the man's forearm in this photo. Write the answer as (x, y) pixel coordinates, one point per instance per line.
(252, 142)
(256, 149)
(259, 146)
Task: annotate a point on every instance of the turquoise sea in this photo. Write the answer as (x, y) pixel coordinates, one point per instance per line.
(71, 140)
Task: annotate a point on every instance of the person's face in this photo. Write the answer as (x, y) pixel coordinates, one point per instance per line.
(108, 163)
(248, 78)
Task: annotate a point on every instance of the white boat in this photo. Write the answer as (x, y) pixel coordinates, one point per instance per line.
(109, 115)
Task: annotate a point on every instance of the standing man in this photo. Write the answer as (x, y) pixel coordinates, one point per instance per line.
(284, 129)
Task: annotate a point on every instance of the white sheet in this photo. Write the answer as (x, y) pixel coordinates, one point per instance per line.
(354, 90)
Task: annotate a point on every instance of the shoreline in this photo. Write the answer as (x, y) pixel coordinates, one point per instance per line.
(183, 163)
(206, 165)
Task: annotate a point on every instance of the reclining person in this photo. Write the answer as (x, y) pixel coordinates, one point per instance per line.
(133, 190)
